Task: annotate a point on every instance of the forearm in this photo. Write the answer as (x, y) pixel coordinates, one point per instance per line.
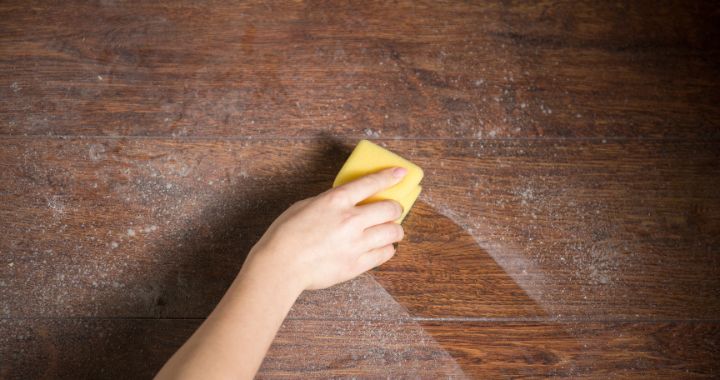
(233, 340)
(316, 243)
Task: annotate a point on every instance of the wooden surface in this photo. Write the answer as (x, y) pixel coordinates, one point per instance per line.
(569, 224)
(82, 348)
(404, 69)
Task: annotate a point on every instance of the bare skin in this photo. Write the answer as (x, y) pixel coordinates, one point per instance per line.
(316, 243)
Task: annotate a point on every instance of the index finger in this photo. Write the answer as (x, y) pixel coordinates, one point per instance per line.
(365, 187)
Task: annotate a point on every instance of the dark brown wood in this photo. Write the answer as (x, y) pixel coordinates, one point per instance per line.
(510, 229)
(102, 348)
(672, 350)
(569, 222)
(380, 69)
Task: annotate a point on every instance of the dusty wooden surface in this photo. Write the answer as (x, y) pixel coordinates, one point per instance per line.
(82, 348)
(569, 225)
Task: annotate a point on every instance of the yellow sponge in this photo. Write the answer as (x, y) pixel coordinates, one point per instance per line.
(368, 158)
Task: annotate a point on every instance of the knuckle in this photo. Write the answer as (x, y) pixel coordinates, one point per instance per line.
(337, 197)
(350, 219)
(302, 202)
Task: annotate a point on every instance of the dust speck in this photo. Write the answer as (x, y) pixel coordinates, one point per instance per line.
(96, 152)
(370, 133)
(149, 229)
(56, 205)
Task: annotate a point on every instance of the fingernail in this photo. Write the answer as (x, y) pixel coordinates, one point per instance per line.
(399, 172)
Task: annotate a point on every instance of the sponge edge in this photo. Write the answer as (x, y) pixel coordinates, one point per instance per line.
(367, 158)
(408, 201)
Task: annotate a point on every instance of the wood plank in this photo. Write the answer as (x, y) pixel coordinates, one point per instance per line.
(522, 230)
(672, 350)
(400, 69)
(118, 348)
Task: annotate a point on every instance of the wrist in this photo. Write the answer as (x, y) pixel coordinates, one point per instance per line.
(265, 266)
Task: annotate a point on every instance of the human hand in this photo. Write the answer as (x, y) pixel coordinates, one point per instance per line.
(327, 239)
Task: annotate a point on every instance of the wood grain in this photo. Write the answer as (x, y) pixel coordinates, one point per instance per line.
(568, 228)
(83, 348)
(401, 69)
(504, 229)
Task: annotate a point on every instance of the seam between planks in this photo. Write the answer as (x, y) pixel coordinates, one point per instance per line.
(508, 320)
(322, 138)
